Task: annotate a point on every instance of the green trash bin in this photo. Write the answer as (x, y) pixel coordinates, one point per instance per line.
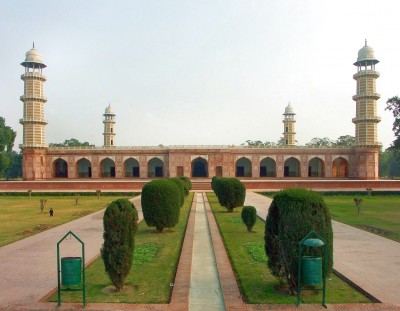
(311, 270)
(71, 271)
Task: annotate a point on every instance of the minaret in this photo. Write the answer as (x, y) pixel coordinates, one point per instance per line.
(366, 119)
(288, 126)
(109, 123)
(33, 121)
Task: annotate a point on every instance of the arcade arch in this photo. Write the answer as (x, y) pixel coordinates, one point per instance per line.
(267, 168)
(83, 168)
(107, 168)
(132, 168)
(316, 167)
(60, 168)
(155, 168)
(243, 167)
(340, 167)
(292, 168)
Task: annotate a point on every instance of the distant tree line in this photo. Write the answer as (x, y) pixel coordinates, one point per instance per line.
(70, 143)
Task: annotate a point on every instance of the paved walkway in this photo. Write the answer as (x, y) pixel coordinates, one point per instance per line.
(368, 260)
(29, 265)
(28, 268)
(205, 288)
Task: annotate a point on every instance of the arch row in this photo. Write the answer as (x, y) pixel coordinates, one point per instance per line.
(199, 168)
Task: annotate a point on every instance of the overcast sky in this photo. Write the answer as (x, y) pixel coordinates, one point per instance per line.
(198, 72)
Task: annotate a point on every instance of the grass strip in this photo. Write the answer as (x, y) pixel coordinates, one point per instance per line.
(378, 214)
(154, 267)
(256, 283)
(21, 217)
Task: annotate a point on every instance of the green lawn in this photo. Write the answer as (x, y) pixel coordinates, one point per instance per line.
(378, 214)
(20, 216)
(246, 252)
(154, 267)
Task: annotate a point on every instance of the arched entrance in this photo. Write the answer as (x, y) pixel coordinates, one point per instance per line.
(60, 168)
(292, 168)
(107, 168)
(199, 167)
(243, 167)
(267, 168)
(316, 168)
(218, 171)
(132, 168)
(155, 168)
(340, 167)
(84, 168)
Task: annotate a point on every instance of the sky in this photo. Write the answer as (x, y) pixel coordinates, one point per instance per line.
(198, 72)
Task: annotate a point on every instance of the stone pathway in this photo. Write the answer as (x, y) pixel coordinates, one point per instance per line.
(33, 278)
(205, 288)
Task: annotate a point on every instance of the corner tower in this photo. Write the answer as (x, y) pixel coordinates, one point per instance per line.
(109, 124)
(33, 121)
(288, 126)
(366, 119)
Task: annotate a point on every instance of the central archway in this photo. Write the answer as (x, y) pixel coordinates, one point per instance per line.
(199, 167)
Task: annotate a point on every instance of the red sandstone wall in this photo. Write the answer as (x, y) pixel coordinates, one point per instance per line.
(115, 185)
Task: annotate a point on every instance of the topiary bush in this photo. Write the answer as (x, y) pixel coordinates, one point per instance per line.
(292, 215)
(120, 225)
(181, 186)
(188, 183)
(161, 204)
(215, 182)
(249, 217)
(231, 193)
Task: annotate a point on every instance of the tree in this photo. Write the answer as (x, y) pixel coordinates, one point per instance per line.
(120, 225)
(393, 104)
(320, 142)
(7, 138)
(161, 204)
(388, 164)
(15, 168)
(345, 140)
(73, 142)
(249, 217)
(292, 215)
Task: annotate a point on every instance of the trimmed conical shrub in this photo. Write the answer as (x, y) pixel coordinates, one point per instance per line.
(292, 215)
(188, 184)
(181, 186)
(120, 224)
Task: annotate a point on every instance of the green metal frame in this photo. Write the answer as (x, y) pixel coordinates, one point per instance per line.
(59, 289)
(313, 239)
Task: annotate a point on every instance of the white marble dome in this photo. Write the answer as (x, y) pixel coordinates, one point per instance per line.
(289, 109)
(366, 56)
(109, 110)
(32, 57)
